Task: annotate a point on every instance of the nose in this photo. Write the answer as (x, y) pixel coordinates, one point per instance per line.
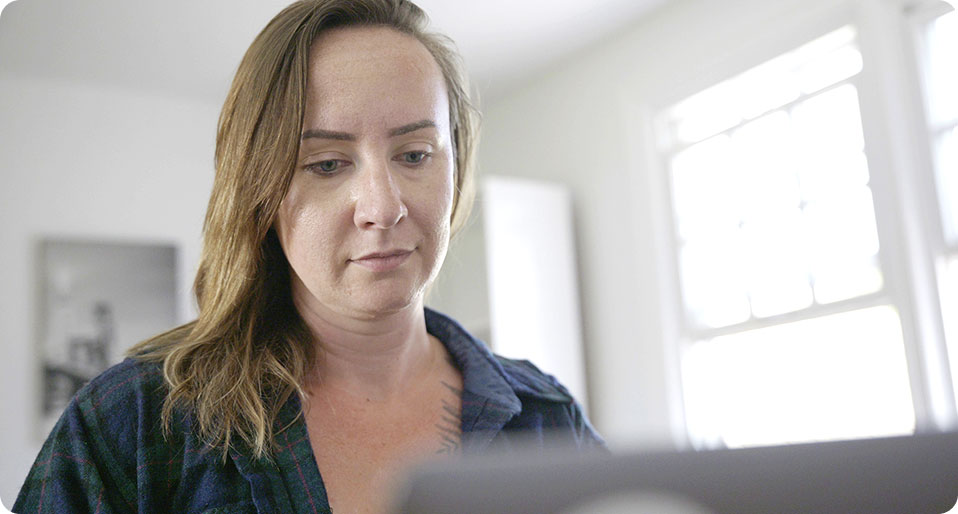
(379, 203)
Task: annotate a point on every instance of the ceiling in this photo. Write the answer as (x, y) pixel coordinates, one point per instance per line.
(504, 42)
(191, 47)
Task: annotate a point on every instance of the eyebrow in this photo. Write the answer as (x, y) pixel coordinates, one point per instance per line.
(412, 127)
(328, 134)
(345, 136)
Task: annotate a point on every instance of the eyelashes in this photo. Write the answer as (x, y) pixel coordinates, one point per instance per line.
(326, 166)
(415, 156)
(329, 167)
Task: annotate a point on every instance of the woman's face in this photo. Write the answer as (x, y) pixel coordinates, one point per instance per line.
(365, 223)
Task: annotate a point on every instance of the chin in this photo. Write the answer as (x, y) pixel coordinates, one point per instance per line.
(384, 300)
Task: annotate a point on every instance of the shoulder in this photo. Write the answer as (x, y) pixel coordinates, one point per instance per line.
(493, 375)
(118, 416)
(92, 451)
(121, 408)
(131, 376)
(547, 406)
(535, 401)
(132, 388)
(529, 381)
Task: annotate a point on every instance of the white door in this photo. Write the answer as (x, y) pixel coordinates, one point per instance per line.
(531, 266)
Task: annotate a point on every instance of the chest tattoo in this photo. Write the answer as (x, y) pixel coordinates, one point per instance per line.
(450, 421)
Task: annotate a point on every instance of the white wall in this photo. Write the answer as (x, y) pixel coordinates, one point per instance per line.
(84, 161)
(461, 290)
(586, 123)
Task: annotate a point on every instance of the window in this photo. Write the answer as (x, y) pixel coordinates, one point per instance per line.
(936, 25)
(792, 333)
(940, 49)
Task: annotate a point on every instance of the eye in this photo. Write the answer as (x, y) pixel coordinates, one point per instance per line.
(414, 157)
(325, 167)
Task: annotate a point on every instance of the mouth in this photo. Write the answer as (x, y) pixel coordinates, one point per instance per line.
(382, 261)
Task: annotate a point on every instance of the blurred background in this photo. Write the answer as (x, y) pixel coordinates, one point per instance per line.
(722, 223)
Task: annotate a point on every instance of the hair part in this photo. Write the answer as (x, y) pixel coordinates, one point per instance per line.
(235, 366)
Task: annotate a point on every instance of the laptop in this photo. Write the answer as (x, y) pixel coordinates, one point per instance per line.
(901, 475)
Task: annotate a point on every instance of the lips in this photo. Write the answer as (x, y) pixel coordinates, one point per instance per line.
(382, 261)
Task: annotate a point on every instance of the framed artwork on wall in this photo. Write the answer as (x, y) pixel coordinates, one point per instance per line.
(96, 300)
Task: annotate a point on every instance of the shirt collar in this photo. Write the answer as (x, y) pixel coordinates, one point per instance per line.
(482, 374)
(490, 396)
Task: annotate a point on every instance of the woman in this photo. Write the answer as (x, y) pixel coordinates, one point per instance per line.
(313, 374)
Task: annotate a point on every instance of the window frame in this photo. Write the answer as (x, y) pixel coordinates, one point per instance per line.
(918, 14)
(694, 331)
(908, 255)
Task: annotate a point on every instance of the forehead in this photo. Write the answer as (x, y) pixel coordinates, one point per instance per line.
(358, 71)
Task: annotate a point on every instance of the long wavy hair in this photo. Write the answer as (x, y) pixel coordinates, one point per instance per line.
(236, 365)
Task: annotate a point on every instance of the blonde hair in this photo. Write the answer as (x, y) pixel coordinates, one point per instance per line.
(235, 366)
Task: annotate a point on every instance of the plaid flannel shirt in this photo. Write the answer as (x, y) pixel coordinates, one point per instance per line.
(107, 453)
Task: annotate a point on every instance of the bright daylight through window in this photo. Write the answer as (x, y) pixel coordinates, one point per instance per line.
(938, 48)
(792, 334)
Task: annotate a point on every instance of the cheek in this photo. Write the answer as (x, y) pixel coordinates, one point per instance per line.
(439, 204)
(439, 227)
(305, 231)
(440, 216)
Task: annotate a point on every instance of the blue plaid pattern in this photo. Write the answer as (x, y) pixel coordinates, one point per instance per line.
(107, 453)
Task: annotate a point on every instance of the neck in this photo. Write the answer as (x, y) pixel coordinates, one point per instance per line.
(373, 358)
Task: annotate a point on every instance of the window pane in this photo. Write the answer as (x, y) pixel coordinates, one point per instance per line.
(813, 50)
(946, 167)
(830, 124)
(712, 280)
(826, 176)
(834, 67)
(943, 72)
(843, 246)
(774, 213)
(949, 302)
(835, 377)
(767, 179)
(818, 64)
(776, 264)
(707, 113)
(704, 179)
(771, 85)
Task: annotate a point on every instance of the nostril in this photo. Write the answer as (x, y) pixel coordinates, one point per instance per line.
(378, 199)
(380, 214)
